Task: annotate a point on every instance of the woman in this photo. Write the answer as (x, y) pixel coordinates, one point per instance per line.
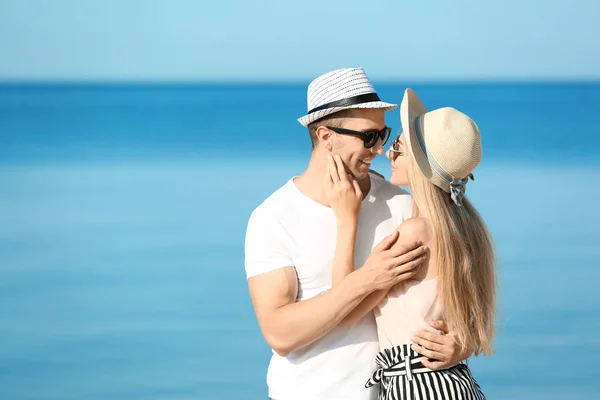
(434, 157)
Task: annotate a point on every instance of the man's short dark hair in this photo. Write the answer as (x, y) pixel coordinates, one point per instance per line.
(335, 120)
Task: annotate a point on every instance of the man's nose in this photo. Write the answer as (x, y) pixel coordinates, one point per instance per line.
(378, 148)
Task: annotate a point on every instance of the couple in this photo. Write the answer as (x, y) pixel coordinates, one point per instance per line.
(422, 296)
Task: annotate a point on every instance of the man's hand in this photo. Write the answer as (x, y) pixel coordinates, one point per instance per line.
(388, 265)
(442, 350)
(390, 262)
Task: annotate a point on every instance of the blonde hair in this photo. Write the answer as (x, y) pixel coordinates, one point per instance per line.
(465, 262)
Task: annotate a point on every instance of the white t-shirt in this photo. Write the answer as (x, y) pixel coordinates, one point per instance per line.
(291, 230)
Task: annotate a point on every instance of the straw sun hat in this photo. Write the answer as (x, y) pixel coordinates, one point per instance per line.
(445, 144)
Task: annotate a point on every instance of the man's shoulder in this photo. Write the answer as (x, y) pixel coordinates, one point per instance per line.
(393, 198)
(269, 207)
(385, 186)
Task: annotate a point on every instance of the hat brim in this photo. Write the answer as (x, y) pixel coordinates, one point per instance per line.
(309, 118)
(410, 108)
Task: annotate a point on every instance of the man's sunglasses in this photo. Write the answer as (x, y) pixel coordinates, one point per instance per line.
(369, 138)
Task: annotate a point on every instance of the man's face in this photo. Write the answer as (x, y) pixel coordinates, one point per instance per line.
(351, 148)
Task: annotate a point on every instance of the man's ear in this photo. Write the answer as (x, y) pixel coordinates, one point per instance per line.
(324, 136)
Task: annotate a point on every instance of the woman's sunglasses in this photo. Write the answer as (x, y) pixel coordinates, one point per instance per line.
(369, 138)
(394, 150)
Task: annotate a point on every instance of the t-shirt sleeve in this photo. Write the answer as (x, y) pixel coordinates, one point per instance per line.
(265, 247)
(407, 208)
(403, 208)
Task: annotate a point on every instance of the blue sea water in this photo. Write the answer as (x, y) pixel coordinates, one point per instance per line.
(123, 211)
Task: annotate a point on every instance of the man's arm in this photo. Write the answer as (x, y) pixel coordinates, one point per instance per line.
(365, 307)
(288, 325)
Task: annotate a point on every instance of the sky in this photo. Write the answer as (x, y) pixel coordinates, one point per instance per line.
(277, 40)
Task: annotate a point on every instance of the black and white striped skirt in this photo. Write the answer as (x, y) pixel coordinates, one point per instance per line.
(402, 376)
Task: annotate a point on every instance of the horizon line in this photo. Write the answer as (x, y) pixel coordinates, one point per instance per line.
(291, 81)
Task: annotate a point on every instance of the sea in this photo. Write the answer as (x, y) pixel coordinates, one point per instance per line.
(123, 210)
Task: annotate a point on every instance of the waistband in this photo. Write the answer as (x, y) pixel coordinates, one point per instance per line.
(397, 361)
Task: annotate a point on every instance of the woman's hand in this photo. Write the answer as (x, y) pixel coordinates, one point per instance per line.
(343, 191)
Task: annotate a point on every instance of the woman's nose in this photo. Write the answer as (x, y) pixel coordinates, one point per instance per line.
(388, 154)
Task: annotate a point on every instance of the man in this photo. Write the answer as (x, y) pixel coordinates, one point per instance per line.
(324, 338)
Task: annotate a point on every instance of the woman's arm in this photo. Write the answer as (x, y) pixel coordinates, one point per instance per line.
(345, 199)
(343, 265)
(343, 259)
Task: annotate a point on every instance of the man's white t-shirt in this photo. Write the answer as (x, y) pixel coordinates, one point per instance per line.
(290, 229)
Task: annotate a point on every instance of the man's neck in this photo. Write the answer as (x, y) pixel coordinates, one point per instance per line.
(312, 181)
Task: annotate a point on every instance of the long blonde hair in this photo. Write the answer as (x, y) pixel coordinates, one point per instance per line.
(465, 263)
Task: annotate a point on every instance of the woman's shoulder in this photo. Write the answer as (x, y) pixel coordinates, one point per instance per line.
(415, 228)
(418, 229)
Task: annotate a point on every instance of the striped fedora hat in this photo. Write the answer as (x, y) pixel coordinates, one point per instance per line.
(339, 90)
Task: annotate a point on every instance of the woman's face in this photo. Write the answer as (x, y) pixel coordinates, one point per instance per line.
(398, 155)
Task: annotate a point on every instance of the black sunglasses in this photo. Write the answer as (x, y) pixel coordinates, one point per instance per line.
(369, 138)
